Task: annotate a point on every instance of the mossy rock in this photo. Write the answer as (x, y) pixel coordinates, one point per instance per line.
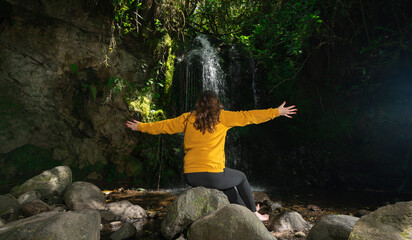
(190, 206)
(49, 183)
(22, 163)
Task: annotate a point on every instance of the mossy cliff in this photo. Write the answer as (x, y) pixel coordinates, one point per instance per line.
(68, 83)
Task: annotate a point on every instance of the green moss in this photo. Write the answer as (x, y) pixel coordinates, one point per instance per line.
(406, 234)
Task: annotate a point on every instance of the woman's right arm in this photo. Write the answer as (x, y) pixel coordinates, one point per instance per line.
(243, 118)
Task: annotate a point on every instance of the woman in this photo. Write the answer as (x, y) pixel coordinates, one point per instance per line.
(204, 140)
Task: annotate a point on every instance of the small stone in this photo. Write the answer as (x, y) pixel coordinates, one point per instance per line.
(260, 197)
(33, 208)
(126, 231)
(29, 197)
(59, 208)
(9, 208)
(300, 234)
(274, 205)
(312, 207)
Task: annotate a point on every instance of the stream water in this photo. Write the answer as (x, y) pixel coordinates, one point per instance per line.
(303, 201)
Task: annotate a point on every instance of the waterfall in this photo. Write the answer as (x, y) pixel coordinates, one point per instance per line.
(203, 72)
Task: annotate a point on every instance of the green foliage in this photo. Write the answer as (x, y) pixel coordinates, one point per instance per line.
(222, 18)
(74, 68)
(126, 15)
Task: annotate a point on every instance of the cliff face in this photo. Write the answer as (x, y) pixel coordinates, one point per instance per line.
(55, 91)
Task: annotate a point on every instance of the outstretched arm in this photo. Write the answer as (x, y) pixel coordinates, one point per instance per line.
(242, 118)
(169, 126)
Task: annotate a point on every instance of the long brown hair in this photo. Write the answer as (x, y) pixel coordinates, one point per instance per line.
(208, 108)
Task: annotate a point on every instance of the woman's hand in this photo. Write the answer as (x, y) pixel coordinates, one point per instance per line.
(286, 111)
(132, 124)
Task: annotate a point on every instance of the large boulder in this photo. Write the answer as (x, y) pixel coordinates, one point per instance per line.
(83, 225)
(229, 222)
(49, 183)
(125, 211)
(9, 208)
(332, 227)
(84, 195)
(289, 221)
(190, 206)
(389, 222)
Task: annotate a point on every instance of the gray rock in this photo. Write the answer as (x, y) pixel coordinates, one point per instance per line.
(29, 197)
(332, 227)
(2, 222)
(82, 225)
(108, 216)
(229, 222)
(126, 211)
(48, 183)
(9, 208)
(59, 208)
(274, 205)
(84, 195)
(260, 196)
(289, 221)
(34, 207)
(389, 222)
(190, 206)
(126, 231)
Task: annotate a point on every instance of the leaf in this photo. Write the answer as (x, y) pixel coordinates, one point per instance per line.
(74, 68)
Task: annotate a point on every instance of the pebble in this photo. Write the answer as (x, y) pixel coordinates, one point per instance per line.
(313, 207)
(300, 234)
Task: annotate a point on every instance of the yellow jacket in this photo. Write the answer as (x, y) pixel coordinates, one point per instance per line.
(205, 152)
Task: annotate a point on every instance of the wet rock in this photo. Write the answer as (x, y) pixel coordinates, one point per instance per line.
(82, 225)
(312, 207)
(126, 211)
(229, 222)
(107, 216)
(260, 197)
(29, 197)
(48, 183)
(362, 212)
(84, 195)
(9, 208)
(126, 231)
(111, 227)
(190, 206)
(274, 205)
(332, 227)
(59, 208)
(388, 222)
(34, 207)
(300, 234)
(288, 221)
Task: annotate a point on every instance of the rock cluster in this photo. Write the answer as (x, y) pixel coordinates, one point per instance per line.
(81, 217)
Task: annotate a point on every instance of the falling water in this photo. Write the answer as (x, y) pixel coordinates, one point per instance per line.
(203, 71)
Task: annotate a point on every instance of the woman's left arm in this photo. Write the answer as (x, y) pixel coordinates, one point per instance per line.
(169, 126)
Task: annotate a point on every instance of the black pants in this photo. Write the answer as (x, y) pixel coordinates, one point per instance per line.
(232, 182)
